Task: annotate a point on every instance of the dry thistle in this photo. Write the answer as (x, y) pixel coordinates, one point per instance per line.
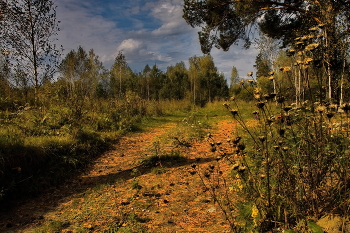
(234, 112)
(235, 166)
(236, 140)
(272, 95)
(262, 138)
(287, 108)
(320, 109)
(260, 105)
(280, 99)
(345, 107)
(281, 132)
(330, 115)
(257, 96)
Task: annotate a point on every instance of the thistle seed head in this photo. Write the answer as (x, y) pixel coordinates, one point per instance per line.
(287, 108)
(272, 95)
(235, 166)
(236, 140)
(241, 146)
(234, 112)
(242, 168)
(260, 105)
(281, 132)
(345, 107)
(330, 115)
(262, 138)
(280, 99)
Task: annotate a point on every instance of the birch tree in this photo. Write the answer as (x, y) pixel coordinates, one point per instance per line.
(29, 30)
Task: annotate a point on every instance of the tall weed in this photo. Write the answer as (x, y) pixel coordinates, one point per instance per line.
(290, 169)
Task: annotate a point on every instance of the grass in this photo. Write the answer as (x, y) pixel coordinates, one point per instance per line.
(67, 138)
(268, 144)
(87, 207)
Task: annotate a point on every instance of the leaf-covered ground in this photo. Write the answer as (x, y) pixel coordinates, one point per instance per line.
(119, 194)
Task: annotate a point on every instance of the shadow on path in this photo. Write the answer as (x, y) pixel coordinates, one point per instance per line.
(26, 212)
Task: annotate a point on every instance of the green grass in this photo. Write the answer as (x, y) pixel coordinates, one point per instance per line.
(62, 139)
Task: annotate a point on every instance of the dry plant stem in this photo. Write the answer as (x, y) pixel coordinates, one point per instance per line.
(347, 124)
(265, 153)
(240, 120)
(214, 196)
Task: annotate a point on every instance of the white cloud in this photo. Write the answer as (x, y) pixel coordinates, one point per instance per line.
(137, 50)
(131, 45)
(147, 33)
(171, 17)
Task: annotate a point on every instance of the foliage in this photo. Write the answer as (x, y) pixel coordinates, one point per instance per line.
(234, 80)
(27, 36)
(118, 72)
(81, 73)
(290, 167)
(284, 20)
(206, 83)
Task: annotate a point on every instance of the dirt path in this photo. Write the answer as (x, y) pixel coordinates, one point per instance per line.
(118, 191)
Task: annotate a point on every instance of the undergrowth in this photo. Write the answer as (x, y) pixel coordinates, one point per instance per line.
(41, 146)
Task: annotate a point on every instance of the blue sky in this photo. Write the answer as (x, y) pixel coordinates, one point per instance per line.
(147, 32)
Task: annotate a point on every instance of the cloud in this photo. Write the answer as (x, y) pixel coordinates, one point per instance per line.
(80, 27)
(137, 50)
(242, 59)
(147, 32)
(171, 17)
(133, 49)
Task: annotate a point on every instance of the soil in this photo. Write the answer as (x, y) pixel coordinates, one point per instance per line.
(118, 192)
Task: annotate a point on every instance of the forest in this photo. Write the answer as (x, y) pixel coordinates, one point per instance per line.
(289, 168)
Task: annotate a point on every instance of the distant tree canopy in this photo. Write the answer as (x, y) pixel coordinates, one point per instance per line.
(82, 74)
(227, 22)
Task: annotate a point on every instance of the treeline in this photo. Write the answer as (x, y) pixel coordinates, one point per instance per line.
(82, 75)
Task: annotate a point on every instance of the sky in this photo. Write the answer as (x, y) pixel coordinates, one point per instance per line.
(146, 31)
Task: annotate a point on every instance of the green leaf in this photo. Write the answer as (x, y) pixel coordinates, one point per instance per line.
(314, 227)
